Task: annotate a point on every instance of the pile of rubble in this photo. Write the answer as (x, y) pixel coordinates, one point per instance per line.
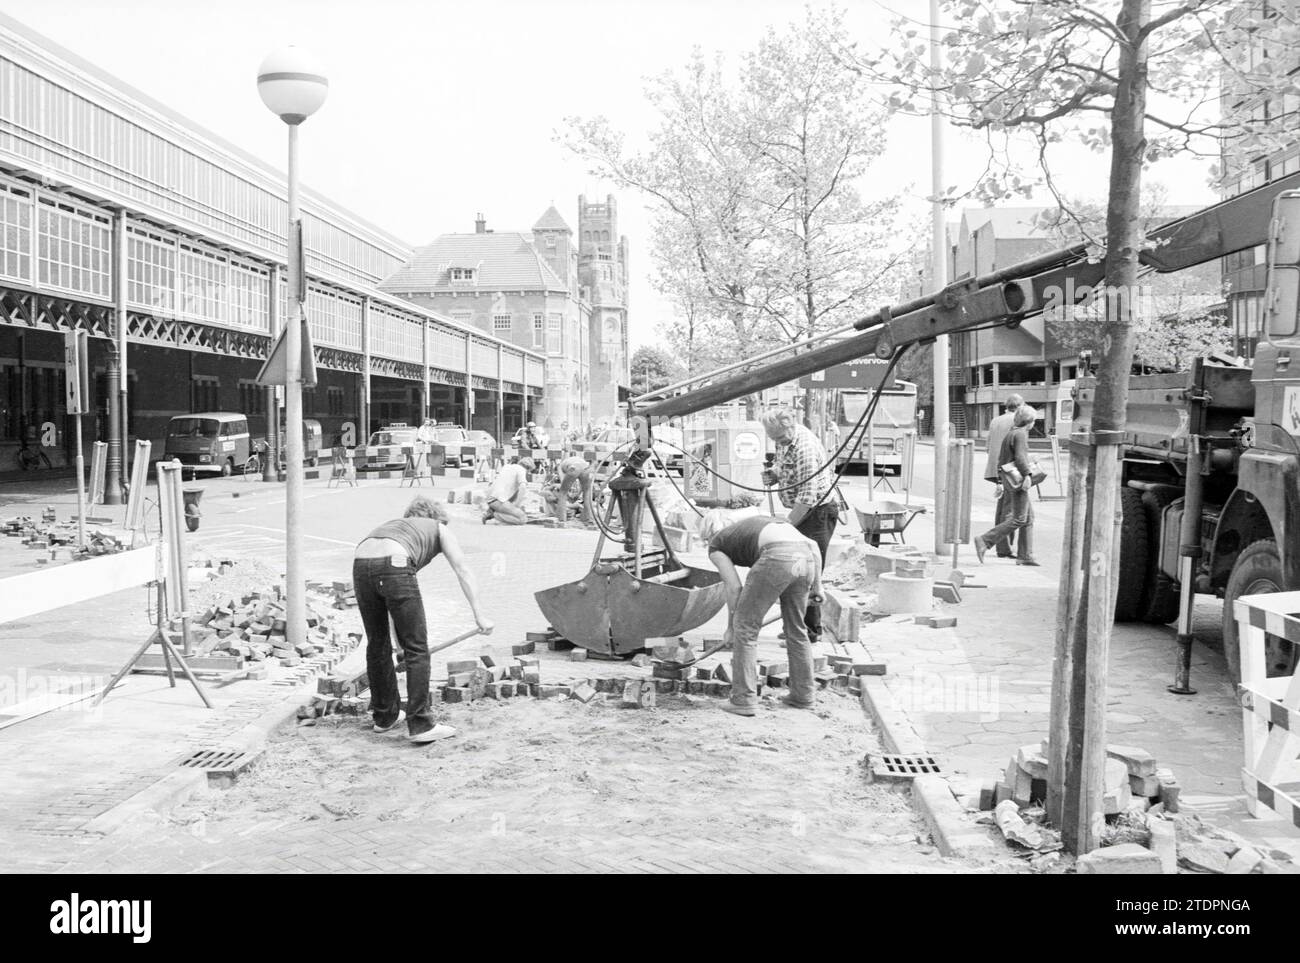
(1133, 779)
(490, 675)
(53, 536)
(1145, 830)
(252, 626)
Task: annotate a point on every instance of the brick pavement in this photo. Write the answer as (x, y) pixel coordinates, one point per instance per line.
(978, 692)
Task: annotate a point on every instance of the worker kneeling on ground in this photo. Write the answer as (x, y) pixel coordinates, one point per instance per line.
(575, 472)
(505, 500)
(384, 567)
(784, 566)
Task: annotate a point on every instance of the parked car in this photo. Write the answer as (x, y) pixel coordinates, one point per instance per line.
(541, 437)
(313, 439)
(483, 443)
(208, 441)
(390, 440)
(612, 439)
(455, 438)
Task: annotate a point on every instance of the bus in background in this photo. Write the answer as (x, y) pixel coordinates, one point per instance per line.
(894, 417)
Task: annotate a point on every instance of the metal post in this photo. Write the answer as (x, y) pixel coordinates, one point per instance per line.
(271, 469)
(501, 393)
(364, 428)
(1189, 550)
(81, 489)
(115, 367)
(939, 271)
(295, 602)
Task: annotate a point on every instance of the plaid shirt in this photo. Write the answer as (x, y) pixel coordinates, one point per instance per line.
(798, 459)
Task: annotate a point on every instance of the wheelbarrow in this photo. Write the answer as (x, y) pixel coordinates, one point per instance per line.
(885, 518)
(639, 594)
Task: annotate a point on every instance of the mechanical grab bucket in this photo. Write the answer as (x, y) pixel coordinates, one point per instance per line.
(639, 594)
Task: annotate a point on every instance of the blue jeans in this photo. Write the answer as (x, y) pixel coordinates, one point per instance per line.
(383, 589)
(819, 525)
(784, 571)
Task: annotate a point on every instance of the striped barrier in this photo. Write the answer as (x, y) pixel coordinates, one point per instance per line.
(1270, 706)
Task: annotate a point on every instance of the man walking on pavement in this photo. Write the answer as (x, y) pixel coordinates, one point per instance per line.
(999, 428)
(803, 477)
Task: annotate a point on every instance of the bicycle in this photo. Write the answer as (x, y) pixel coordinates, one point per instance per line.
(252, 467)
(32, 459)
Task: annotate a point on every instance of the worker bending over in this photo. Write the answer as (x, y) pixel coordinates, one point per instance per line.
(383, 576)
(506, 496)
(575, 472)
(784, 566)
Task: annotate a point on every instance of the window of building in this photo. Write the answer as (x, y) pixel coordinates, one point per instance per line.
(334, 399)
(555, 334)
(501, 323)
(205, 393)
(15, 233)
(539, 330)
(550, 240)
(462, 274)
(252, 398)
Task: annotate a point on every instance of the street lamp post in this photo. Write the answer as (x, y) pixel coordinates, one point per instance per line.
(293, 87)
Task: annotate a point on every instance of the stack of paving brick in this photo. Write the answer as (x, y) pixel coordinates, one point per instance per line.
(345, 596)
(492, 676)
(1133, 781)
(253, 627)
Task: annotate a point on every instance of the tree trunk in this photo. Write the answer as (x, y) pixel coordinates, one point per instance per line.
(1076, 777)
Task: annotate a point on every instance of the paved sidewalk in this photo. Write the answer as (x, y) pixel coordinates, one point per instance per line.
(978, 692)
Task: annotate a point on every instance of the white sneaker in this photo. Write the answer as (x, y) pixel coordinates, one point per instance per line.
(433, 735)
(401, 716)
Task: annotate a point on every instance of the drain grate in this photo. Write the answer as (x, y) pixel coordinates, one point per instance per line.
(224, 761)
(899, 766)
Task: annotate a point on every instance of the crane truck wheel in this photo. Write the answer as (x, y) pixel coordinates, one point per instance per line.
(1133, 551)
(1161, 602)
(1258, 570)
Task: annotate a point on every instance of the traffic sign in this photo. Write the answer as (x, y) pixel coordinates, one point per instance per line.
(273, 369)
(76, 357)
(862, 374)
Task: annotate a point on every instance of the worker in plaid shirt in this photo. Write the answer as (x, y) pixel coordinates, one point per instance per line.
(799, 455)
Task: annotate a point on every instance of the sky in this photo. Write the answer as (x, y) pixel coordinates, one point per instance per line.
(438, 110)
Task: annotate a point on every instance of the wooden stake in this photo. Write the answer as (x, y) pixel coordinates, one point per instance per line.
(1067, 608)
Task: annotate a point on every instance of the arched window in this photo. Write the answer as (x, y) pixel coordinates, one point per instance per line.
(604, 237)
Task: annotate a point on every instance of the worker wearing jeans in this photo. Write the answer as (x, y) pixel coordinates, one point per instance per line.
(784, 567)
(384, 569)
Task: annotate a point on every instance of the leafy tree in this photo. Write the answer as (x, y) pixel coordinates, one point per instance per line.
(1178, 316)
(761, 234)
(653, 367)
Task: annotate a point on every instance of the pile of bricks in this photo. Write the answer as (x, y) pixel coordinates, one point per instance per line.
(254, 628)
(838, 673)
(345, 596)
(51, 536)
(1132, 781)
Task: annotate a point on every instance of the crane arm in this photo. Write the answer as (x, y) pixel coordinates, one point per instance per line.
(1007, 296)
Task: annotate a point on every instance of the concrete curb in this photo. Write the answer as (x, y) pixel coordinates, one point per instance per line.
(167, 793)
(180, 785)
(953, 831)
